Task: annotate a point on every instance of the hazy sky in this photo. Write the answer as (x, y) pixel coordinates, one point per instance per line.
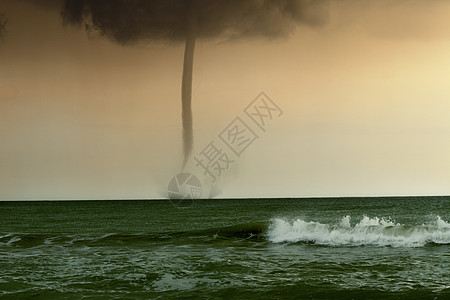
(365, 100)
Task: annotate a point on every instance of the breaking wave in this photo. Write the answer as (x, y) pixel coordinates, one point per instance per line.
(366, 232)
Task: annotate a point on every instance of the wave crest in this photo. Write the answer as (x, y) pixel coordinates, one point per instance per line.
(367, 232)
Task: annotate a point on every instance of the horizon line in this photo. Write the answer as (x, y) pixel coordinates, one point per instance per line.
(233, 198)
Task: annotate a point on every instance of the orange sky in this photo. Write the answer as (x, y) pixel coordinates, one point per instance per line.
(365, 97)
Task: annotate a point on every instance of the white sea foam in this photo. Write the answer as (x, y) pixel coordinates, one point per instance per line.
(368, 231)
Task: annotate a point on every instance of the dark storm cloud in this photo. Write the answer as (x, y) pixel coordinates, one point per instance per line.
(131, 21)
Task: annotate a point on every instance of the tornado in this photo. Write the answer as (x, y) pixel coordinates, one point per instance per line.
(186, 88)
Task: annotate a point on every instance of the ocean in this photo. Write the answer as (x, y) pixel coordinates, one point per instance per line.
(332, 248)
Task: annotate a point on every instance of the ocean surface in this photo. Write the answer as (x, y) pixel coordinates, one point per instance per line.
(346, 248)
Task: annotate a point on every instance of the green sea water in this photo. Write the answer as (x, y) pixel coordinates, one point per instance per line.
(346, 248)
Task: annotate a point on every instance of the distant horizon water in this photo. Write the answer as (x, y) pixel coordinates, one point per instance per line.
(239, 198)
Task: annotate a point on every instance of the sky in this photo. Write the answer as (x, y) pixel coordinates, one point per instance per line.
(364, 96)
